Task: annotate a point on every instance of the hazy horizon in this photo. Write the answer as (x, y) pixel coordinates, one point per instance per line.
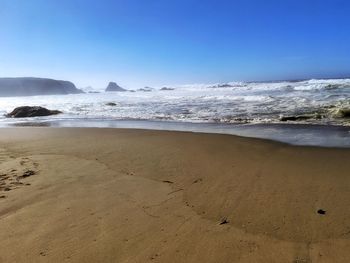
(140, 44)
(140, 86)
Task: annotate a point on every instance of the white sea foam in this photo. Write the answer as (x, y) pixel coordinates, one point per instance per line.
(230, 102)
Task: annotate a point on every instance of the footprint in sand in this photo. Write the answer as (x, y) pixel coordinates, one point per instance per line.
(12, 178)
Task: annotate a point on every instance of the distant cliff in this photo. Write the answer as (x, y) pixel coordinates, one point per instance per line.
(112, 86)
(12, 87)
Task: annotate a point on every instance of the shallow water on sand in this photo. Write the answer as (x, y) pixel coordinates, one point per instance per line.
(311, 112)
(295, 134)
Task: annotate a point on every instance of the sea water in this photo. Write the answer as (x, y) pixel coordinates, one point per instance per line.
(236, 106)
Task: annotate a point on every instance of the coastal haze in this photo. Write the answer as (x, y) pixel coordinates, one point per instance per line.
(11, 87)
(188, 131)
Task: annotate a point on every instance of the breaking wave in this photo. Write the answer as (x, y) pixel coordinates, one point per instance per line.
(310, 101)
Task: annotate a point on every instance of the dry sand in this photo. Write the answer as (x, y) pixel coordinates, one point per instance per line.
(108, 195)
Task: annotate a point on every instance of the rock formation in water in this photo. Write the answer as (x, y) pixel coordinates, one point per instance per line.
(342, 113)
(31, 111)
(12, 87)
(146, 89)
(111, 104)
(166, 88)
(112, 86)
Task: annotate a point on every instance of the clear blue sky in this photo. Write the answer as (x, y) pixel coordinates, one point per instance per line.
(156, 42)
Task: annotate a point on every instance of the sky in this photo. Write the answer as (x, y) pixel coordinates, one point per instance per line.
(162, 42)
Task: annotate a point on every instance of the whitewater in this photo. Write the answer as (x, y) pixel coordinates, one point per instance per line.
(310, 101)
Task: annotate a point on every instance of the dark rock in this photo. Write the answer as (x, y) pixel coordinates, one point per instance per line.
(291, 118)
(146, 89)
(343, 113)
(225, 85)
(111, 104)
(242, 120)
(12, 87)
(29, 111)
(112, 86)
(224, 221)
(333, 86)
(329, 106)
(165, 88)
(321, 212)
(301, 117)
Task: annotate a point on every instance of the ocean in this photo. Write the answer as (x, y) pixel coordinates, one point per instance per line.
(222, 108)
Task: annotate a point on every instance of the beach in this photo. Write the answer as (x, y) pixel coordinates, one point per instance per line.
(128, 195)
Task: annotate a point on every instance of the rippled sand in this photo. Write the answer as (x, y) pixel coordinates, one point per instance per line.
(108, 195)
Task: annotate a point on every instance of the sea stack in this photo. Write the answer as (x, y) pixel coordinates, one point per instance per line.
(112, 86)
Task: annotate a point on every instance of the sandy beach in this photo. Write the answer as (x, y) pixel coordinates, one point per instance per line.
(119, 195)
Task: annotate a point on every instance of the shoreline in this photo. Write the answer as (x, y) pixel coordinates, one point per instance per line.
(127, 195)
(330, 136)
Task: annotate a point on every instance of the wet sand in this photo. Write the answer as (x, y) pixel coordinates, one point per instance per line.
(109, 195)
